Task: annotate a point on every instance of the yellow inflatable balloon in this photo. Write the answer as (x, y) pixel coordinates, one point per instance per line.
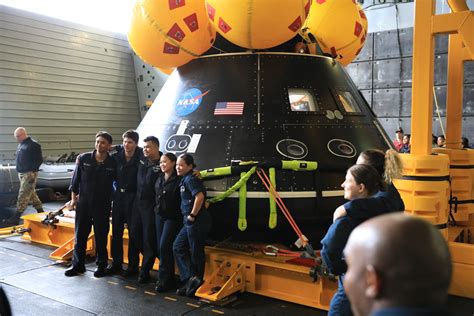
(258, 24)
(168, 34)
(338, 26)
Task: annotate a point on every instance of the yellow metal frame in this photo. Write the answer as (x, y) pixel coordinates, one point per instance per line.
(459, 24)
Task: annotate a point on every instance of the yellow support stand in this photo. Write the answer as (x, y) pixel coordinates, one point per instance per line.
(226, 280)
(462, 181)
(64, 252)
(425, 188)
(229, 271)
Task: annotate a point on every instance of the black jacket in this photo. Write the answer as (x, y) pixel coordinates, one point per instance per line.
(167, 196)
(93, 182)
(28, 156)
(148, 172)
(126, 180)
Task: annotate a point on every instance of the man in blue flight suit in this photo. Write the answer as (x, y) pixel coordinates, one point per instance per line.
(144, 215)
(91, 192)
(127, 158)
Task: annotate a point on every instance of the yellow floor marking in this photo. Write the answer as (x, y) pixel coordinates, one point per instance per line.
(113, 283)
(150, 293)
(170, 298)
(130, 287)
(217, 311)
(193, 305)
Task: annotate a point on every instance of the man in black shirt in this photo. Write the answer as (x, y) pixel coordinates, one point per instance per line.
(28, 160)
(144, 216)
(127, 158)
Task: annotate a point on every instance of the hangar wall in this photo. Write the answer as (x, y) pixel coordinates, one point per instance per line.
(383, 73)
(63, 82)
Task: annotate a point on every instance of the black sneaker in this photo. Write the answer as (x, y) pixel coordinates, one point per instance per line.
(192, 285)
(129, 272)
(40, 210)
(182, 290)
(99, 272)
(73, 271)
(164, 286)
(113, 269)
(144, 278)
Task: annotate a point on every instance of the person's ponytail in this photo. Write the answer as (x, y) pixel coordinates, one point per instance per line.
(392, 166)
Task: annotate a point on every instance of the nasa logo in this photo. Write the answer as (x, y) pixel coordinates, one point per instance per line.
(189, 101)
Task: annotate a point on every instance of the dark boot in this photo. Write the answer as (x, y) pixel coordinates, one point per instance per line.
(73, 271)
(144, 277)
(100, 272)
(182, 290)
(114, 269)
(129, 272)
(40, 210)
(193, 284)
(164, 286)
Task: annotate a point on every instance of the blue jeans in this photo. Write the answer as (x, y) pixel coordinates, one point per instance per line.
(340, 305)
(189, 245)
(166, 231)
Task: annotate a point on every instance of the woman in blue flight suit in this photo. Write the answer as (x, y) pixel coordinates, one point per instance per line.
(189, 245)
(389, 166)
(167, 219)
(361, 181)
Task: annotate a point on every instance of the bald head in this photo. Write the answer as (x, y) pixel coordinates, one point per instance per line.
(20, 134)
(396, 260)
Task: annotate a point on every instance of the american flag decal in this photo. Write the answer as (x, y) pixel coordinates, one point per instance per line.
(229, 108)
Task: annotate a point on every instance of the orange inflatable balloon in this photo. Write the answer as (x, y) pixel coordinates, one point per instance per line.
(168, 34)
(258, 24)
(338, 26)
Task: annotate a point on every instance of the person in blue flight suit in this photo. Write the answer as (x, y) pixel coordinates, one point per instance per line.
(397, 265)
(91, 193)
(127, 158)
(144, 215)
(189, 245)
(167, 219)
(361, 181)
(389, 167)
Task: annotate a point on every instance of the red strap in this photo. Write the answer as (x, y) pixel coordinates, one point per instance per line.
(276, 197)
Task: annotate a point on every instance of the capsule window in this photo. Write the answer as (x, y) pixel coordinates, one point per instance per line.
(301, 100)
(348, 102)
